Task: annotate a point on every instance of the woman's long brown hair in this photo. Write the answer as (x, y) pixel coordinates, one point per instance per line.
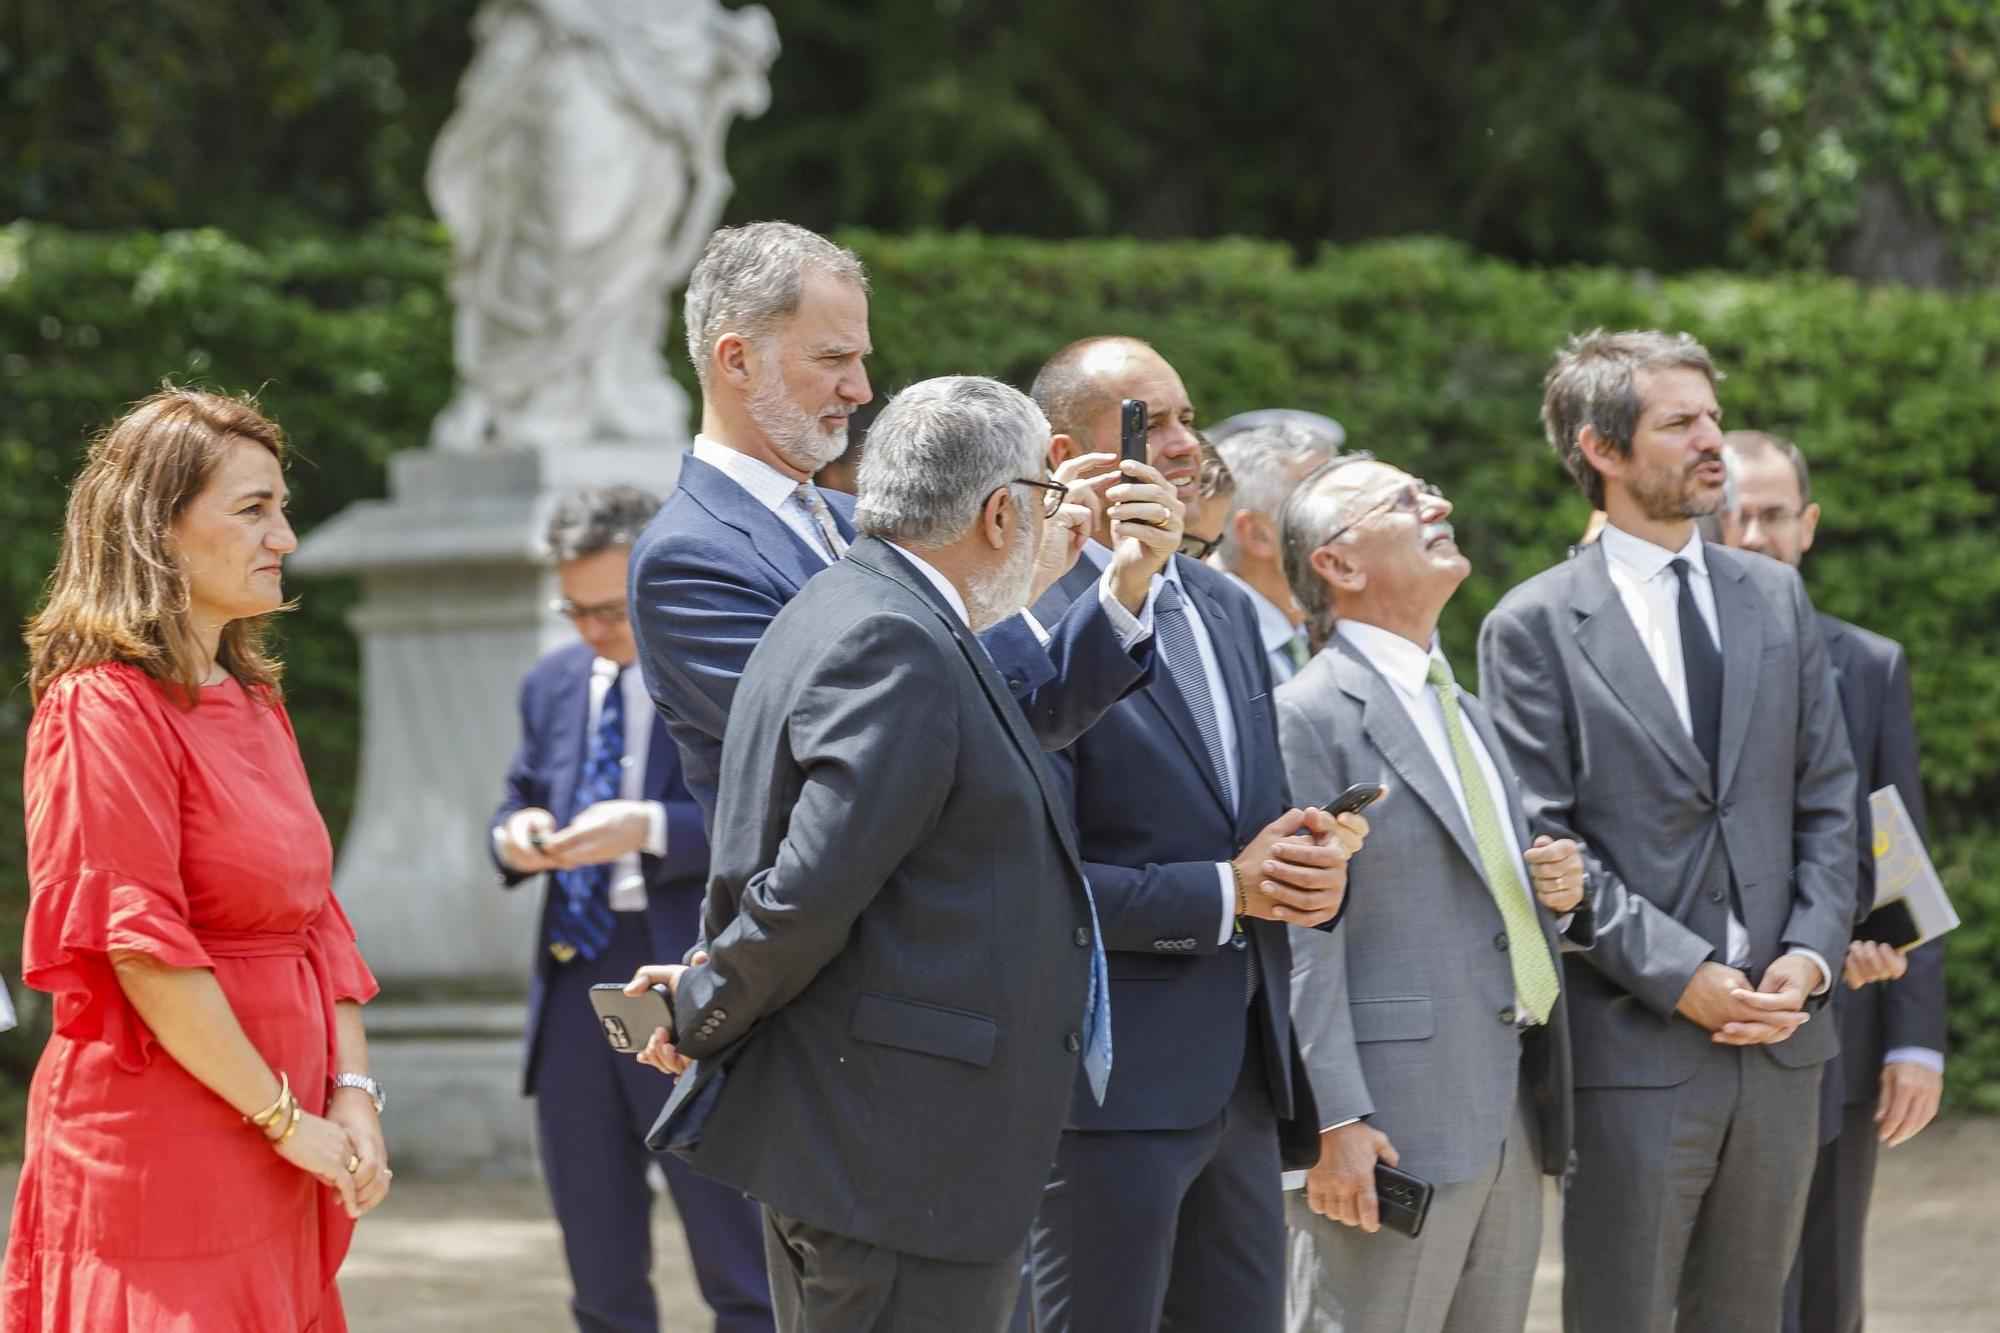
(118, 593)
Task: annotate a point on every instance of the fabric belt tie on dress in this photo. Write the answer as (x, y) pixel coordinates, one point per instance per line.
(281, 944)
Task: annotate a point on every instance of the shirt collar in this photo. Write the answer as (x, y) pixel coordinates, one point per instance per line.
(1402, 663)
(1644, 560)
(1274, 627)
(767, 486)
(944, 585)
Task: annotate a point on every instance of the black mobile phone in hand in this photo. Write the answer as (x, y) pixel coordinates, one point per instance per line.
(1132, 429)
(628, 1020)
(1402, 1200)
(1355, 799)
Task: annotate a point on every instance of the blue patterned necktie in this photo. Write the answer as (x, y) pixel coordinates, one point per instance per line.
(1097, 1010)
(583, 922)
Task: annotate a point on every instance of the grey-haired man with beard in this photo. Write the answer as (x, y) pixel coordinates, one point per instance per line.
(903, 971)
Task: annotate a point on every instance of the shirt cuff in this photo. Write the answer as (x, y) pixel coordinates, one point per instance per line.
(1825, 973)
(656, 829)
(1226, 875)
(1916, 1055)
(1132, 630)
(1041, 635)
(1341, 1124)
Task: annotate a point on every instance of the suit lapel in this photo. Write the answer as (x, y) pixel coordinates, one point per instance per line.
(877, 556)
(1740, 613)
(773, 540)
(1608, 638)
(1390, 730)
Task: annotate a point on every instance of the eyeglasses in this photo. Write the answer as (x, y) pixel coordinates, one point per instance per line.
(604, 613)
(1199, 548)
(1053, 494)
(1777, 516)
(1409, 498)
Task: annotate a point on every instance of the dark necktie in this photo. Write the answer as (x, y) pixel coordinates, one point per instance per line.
(1701, 663)
(582, 921)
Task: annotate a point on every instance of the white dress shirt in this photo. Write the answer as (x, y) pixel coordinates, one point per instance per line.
(945, 587)
(767, 486)
(628, 878)
(1643, 574)
(1225, 717)
(1274, 630)
(1407, 669)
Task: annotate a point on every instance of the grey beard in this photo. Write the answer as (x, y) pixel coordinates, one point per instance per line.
(992, 597)
(795, 435)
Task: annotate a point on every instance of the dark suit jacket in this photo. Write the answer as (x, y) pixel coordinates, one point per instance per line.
(1874, 679)
(555, 706)
(1603, 758)
(1405, 1012)
(900, 936)
(1152, 825)
(714, 566)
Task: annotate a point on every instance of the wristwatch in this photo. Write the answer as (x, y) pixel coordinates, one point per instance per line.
(366, 1084)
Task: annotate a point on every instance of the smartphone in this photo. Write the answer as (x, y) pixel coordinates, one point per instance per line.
(1355, 799)
(628, 1020)
(1402, 1200)
(1132, 429)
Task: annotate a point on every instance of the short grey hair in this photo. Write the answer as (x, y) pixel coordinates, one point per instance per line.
(598, 519)
(1330, 433)
(1744, 443)
(1313, 514)
(750, 277)
(938, 450)
(1268, 463)
(1593, 384)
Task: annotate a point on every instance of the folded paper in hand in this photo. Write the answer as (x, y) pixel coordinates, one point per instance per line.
(1910, 902)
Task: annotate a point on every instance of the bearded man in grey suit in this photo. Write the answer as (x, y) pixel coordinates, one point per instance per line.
(902, 966)
(1668, 704)
(1431, 1020)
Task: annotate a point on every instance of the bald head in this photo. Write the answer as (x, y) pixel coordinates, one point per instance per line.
(1079, 391)
(1078, 384)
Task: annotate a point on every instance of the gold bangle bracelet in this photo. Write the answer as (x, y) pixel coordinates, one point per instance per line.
(293, 1127)
(276, 1108)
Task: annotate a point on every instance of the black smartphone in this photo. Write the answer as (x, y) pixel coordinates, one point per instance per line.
(1356, 798)
(628, 1020)
(1401, 1199)
(1132, 429)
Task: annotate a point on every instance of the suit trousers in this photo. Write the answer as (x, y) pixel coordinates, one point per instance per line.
(1825, 1292)
(1684, 1204)
(592, 1110)
(1472, 1269)
(1183, 1230)
(823, 1282)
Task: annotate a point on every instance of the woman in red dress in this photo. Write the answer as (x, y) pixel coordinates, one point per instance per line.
(202, 1130)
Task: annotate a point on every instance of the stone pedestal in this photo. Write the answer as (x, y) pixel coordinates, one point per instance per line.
(453, 611)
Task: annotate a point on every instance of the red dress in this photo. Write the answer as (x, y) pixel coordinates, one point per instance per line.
(145, 1202)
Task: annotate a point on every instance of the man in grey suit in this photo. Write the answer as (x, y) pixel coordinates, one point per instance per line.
(1886, 1083)
(1668, 704)
(1431, 1019)
(903, 964)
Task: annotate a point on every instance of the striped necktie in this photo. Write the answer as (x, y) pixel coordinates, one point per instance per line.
(814, 504)
(1183, 658)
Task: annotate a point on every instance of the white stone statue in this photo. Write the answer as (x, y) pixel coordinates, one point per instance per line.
(580, 175)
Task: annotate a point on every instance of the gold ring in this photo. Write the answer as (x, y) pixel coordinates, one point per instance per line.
(353, 1163)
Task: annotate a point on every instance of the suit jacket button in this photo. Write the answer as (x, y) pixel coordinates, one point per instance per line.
(1161, 944)
(1239, 941)
(1082, 937)
(1500, 941)
(1074, 1042)
(1507, 1015)
(1715, 895)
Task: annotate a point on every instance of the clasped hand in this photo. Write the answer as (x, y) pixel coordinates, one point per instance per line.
(1295, 870)
(349, 1131)
(531, 842)
(1721, 999)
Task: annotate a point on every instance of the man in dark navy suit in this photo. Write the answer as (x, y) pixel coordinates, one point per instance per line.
(1165, 1208)
(777, 321)
(1886, 1083)
(596, 806)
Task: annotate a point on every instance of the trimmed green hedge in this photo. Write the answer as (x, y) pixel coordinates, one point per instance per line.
(1431, 356)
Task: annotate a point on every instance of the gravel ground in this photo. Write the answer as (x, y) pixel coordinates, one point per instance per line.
(459, 1256)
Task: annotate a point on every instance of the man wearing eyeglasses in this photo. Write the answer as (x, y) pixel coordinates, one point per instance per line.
(596, 806)
(1885, 1084)
(1667, 704)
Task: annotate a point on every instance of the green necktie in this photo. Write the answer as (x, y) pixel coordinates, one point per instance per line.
(1534, 971)
(1295, 649)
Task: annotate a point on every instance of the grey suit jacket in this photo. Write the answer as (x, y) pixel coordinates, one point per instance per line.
(1405, 1012)
(899, 934)
(1604, 759)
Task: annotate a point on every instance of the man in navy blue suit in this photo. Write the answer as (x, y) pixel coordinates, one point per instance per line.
(1165, 1209)
(777, 327)
(597, 806)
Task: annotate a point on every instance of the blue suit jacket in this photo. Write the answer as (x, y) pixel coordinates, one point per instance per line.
(555, 707)
(713, 568)
(1152, 824)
